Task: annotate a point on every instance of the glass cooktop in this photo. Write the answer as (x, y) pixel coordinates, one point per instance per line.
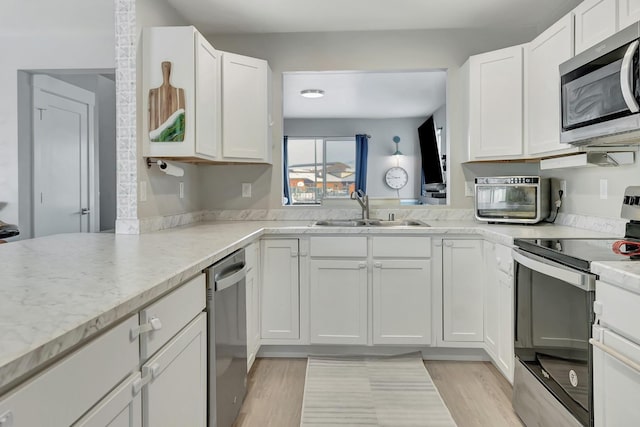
(577, 253)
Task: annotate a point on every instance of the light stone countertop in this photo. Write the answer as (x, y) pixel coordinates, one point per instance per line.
(58, 291)
(625, 274)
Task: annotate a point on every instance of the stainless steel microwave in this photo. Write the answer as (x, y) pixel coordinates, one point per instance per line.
(512, 199)
(600, 92)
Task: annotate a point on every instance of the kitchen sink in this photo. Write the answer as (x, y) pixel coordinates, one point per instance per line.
(369, 223)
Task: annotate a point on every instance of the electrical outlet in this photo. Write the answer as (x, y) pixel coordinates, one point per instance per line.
(181, 190)
(143, 191)
(468, 188)
(563, 187)
(246, 189)
(603, 189)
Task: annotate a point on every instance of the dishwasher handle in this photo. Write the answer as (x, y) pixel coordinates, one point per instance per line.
(231, 278)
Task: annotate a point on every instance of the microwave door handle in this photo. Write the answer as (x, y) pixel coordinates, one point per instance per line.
(626, 78)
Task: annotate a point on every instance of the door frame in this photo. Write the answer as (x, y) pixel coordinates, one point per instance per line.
(48, 84)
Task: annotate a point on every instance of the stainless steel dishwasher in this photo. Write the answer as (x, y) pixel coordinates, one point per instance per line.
(226, 308)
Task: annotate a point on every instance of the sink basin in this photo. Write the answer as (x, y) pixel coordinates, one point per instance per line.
(369, 223)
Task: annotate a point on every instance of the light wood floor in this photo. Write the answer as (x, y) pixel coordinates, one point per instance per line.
(475, 392)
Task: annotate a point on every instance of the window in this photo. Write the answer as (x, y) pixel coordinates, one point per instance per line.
(321, 168)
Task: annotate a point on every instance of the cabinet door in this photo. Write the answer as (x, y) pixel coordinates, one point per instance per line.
(280, 293)
(595, 21)
(176, 394)
(120, 408)
(616, 384)
(253, 302)
(628, 13)
(491, 301)
(495, 104)
(338, 301)
(462, 293)
(207, 111)
(402, 302)
(543, 56)
(505, 326)
(244, 102)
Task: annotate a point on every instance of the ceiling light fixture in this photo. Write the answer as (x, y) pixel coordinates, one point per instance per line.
(312, 93)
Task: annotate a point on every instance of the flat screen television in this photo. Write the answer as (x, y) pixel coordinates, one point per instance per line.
(431, 164)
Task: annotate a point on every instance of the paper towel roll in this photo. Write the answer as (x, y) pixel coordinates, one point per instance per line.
(170, 168)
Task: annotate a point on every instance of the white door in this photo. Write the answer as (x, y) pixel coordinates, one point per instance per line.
(402, 302)
(595, 21)
(338, 301)
(208, 117)
(505, 315)
(628, 13)
(64, 159)
(462, 293)
(279, 294)
(491, 301)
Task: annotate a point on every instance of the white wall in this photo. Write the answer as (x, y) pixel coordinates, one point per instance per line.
(381, 147)
(389, 50)
(162, 190)
(36, 36)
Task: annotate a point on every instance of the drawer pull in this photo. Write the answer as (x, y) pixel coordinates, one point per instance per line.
(616, 355)
(377, 264)
(153, 325)
(149, 373)
(6, 419)
(362, 265)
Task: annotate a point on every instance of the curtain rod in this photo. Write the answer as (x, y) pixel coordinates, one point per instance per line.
(323, 137)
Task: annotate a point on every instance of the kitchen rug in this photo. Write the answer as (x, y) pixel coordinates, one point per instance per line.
(371, 391)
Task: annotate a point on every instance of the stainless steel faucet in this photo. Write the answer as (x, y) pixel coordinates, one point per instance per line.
(363, 200)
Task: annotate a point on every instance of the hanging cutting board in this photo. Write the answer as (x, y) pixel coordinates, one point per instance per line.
(166, 110)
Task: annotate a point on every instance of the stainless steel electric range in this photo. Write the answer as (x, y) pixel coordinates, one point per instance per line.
(554, 294)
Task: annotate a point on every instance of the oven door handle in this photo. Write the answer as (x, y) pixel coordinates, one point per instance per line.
(615, 354)
(584, 281)
(626, 78)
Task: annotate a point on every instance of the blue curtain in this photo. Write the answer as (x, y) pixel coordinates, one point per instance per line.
(362, 151)
(285, 168)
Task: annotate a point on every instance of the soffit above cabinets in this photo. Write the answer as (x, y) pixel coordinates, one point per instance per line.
(284, 16)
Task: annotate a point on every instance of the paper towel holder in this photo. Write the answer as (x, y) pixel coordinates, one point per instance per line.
(164, 166)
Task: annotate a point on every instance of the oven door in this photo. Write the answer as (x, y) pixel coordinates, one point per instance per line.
(553, 318)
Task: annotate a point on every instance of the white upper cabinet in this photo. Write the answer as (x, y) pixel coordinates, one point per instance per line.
(181, 75)
(595, 21)
(495, 104)
(628, 12)
(245, 121)
(542, 87)
(200, 104)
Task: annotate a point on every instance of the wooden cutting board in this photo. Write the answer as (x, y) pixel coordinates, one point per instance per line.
(166, 110)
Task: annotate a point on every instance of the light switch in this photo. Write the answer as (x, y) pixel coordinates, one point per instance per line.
(143, 191)
(246, 189)
(603, 189)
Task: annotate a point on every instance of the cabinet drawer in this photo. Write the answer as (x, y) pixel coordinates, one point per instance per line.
(338, 247)
(619, 309)
(401, 247)
(174, 312)
(61, 394)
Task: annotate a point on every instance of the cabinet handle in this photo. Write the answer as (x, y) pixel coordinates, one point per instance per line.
(153, 325)
(377, 264)
(616, 355)
(303, 254)
(294, 254)
(448, 244)
(6, 419)
(362, 265)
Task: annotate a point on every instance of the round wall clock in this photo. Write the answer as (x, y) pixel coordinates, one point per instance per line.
(396, 177)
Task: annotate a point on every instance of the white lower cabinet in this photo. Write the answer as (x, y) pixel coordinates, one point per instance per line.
(402, 302)
(176, 380)
(462, 290)
(61, 394)
(120, 408)
(498, 306)
(338, 301)
(280, 290)
(252, 280)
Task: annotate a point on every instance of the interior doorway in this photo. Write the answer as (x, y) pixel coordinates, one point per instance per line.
(66, 151)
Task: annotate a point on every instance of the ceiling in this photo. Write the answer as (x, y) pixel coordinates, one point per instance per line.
(369, 95)
(283, 16)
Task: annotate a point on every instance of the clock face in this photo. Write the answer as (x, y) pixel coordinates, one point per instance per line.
(396, 177)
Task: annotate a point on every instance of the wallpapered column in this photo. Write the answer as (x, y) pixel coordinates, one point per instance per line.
(126, 176)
